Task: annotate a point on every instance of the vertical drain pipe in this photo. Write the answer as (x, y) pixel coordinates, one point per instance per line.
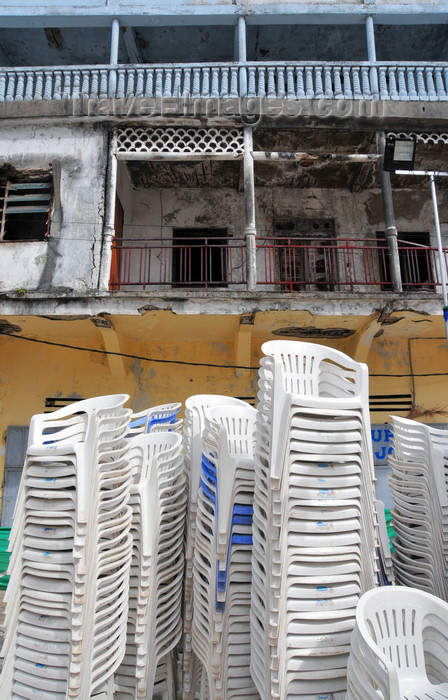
(389, 218)
(250, 231)
(386, 188)
(109, 216)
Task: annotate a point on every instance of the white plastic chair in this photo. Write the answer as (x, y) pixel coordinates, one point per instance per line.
(158, 500)
(399, 646)
(197, 408)
(222, 554)
(314, 539)
(72, 551)
(163, 417)
(419, 490)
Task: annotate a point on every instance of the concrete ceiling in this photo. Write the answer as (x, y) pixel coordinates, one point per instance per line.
(346, 43)
(186, 44)
(47, 47)
(146, 174)
(212, 174)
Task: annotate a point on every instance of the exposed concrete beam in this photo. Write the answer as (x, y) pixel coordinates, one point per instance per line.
(361, 342)
(310, 159)
(179, 156)
(374, 326)
(112, 344)
(130, 43)
(243, 343)
(162, 14)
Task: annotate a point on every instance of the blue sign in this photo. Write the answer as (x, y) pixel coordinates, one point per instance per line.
(382, 437)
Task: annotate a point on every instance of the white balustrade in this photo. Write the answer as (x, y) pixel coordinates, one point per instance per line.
(293, 81)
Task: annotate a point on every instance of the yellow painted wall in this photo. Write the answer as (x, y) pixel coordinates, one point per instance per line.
(30, 372)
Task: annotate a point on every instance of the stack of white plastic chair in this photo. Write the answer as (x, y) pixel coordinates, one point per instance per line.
(222, 554)
(158, 499)
(419, 490)
(67, 602)
(399, 647)
(196, 409)
(157, 418)
(314, 527)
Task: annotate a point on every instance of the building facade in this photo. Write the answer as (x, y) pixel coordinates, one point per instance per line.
(180, 182)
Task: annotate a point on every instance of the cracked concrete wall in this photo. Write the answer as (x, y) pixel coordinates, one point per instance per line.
(69, 259)
(154, 213)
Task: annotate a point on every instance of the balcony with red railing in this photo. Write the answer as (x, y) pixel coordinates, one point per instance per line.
(283, 264)
(191, 261)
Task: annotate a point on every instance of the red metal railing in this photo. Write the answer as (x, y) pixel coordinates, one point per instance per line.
(181, 262)
(283, 263)
(326, 264)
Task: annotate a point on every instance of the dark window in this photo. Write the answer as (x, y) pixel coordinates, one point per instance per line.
(415, 261)
(25, 210)
(54, 403)
(306, 253)
(200, 257)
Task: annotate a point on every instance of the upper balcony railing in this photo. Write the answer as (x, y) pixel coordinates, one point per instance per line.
(290, 81)
(282, 264)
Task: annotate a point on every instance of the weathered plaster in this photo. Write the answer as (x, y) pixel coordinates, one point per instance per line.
(70, 257)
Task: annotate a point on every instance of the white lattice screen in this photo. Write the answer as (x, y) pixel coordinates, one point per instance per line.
(180, 140)
(422, 138)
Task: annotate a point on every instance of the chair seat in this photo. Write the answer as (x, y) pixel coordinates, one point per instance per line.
(414, 686)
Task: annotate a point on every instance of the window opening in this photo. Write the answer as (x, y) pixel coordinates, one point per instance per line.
(54, 403)
(415, 261)
(306, 253)
(25, 210)
(199, 257)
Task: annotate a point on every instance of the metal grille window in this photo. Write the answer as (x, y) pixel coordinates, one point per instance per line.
(25, 210)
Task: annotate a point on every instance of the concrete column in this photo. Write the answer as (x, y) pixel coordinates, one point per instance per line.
(370, 30)
(114, 44)
(389, 218)
(371, 54)
(242, 54)
(249, 208)
(109, 217)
